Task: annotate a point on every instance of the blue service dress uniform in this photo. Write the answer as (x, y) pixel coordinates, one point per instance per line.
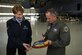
(59, 33)
(18, 33)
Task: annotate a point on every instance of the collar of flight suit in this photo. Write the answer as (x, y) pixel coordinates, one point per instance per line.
(55, 22)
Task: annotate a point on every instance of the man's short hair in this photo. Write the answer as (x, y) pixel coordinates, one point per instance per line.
(17, 8)
(52, 11)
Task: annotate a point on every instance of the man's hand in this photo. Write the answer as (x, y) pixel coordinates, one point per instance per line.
(42, 38)
(50, 42)
(27, 46)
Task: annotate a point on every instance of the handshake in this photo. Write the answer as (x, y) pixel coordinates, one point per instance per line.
(27, 46)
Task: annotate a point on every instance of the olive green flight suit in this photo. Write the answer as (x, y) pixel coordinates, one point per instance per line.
(59, 33)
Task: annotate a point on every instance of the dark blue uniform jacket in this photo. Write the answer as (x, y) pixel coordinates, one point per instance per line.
(18, 33)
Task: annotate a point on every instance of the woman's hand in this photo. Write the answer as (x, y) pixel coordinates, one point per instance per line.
(27, 46)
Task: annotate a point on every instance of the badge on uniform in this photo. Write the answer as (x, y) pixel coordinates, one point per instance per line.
(55, 30)
(66, 29)
(25, 27)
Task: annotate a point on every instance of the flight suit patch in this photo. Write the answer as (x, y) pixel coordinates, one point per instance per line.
(66, 29)
(48, 27)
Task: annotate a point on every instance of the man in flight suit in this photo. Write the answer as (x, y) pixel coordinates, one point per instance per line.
(19, 32)
(57, 34)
